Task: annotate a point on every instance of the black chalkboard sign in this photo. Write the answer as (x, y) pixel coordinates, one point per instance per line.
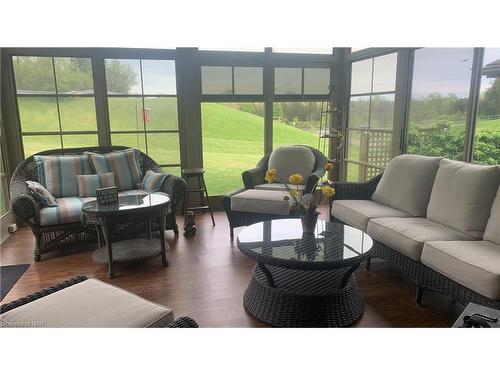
(107, 196)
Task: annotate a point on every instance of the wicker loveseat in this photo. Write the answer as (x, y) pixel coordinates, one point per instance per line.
(438, 220)
(54, 237)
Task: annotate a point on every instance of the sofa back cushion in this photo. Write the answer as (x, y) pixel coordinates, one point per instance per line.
(492, 232)
(58, 173)
(88, 184)
(288, 160)
(407, 183)
(462, 196)
(123, 163)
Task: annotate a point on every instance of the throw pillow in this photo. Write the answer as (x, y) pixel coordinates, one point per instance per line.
(58, 173)
(42, 195)
(152, 181)
(88, 184)
(123, 163)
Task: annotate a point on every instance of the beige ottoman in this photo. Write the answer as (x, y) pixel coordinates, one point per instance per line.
(88, 303)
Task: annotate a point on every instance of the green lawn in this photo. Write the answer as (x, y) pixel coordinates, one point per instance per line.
(233, 141)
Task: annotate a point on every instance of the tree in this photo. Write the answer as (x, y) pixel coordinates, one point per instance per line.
(120, 77)
(489, 104)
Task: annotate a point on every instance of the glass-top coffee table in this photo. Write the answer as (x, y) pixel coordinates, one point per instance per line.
(304, 280)
(146, 208)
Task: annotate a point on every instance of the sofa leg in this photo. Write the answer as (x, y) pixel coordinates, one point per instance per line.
(176, 230)
(37, 255)
(231, 232)
(368, 263)
(420, 292)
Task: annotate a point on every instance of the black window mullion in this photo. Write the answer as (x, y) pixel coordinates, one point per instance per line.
(57, 102)
(143, 109)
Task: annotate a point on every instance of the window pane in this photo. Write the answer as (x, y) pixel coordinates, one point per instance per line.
(382, 111)
(38, 114)
(321, 50)
(216, 80)
(487, 137)
(123, 76)
(297, 123)
(233, 141)
(357, 145)
(361, 77)
(36, 143)
(384, 73)
(77, 113)
(359, 110)
(80, 140)
(248, 81)
(316, 81)
(125, 114)
(287, 81)
(440, 93)
(160, 113)
(159, 77)
(74, 75)
(130, 140)
(164, 148)
(34, 75)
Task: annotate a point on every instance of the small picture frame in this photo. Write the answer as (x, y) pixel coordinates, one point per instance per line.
(107, 196)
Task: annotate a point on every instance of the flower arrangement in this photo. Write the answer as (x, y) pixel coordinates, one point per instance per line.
(304, 204)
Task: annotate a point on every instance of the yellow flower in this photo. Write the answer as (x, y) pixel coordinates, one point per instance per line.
(328, 166)
(296, 179)
(270, 175)
(294, 193)
(328, 191)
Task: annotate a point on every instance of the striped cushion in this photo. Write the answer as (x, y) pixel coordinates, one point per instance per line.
(42, 195)
(68, 210)
(123, 163)
(152, 181)
(58, 173)
(88, 184)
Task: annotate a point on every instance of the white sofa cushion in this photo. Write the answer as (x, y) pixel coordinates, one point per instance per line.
(407, 183)
(462, 196)
(288, 160)
(492, 232)
(475, 264)
(261, 201)
(276, 187)
(90, 303)
(356, 213)
(407, 235)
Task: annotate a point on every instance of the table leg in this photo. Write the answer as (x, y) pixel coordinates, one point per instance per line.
(108, 234)
(162, 243)
(347, 275)
(99, 235)
(148, 228)
(269, 277)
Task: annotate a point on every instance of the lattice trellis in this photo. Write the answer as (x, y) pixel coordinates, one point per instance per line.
(375, 149)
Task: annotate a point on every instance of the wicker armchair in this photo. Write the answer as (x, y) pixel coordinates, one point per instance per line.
(54, 237)
(255, 176)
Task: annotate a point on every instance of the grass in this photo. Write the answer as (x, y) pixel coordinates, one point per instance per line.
(233, 141)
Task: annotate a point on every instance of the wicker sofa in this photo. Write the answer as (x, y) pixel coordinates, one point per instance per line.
(438, 220)
(54, 237)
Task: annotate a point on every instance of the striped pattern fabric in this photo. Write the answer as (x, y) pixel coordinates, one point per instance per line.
(88, 184)
(68, 210)
(58, 173)
(152, 181)
(124, 165)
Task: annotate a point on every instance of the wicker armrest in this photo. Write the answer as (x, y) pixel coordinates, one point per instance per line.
(313, 179)
(176, 188)
(356, 190)
(22, 201)
(184, 322)
(253, 177)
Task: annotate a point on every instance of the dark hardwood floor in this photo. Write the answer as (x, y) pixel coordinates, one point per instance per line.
(208, 275)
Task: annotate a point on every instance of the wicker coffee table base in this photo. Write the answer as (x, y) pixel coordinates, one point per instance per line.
(281, 307)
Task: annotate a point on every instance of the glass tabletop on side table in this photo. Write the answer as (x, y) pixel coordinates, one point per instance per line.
(282, 243)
